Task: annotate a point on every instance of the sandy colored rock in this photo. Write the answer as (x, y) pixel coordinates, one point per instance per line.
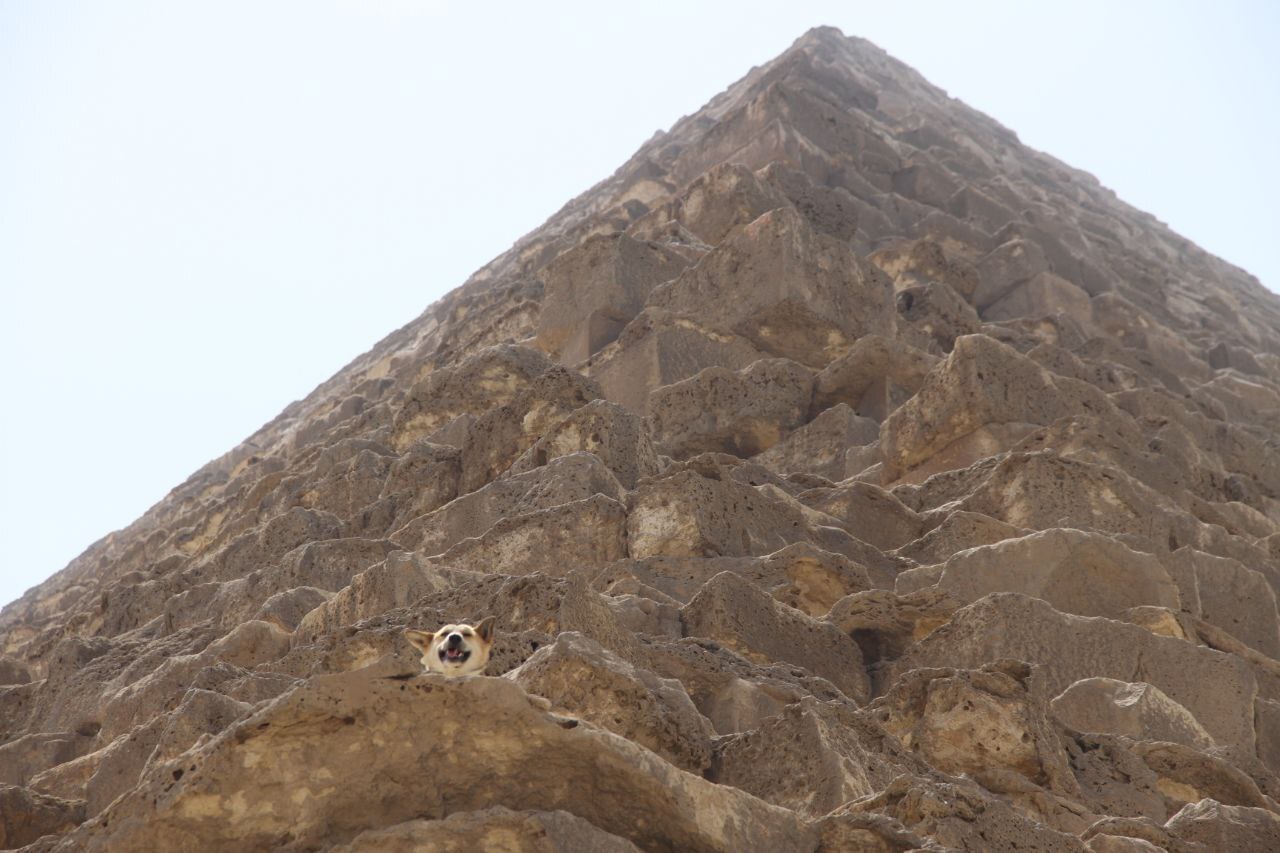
(583, 679)
(1076, 572)
(821, 446)
(606, 430)
(563, 480)
(976, 722)
(502, 434)
(743, 413)
(962, 816)
(687, 514)
(981, 382)
(1218, 689)
(593, 291)
(864, 377)
(868, 512)
(732, 611)
(799, 463)
(845, 756)
(225, 796)
(1139, 710)
(658, 348)
(589, 532)
(716, 203)
(958, 531)
(491, 828)
(807, 297)
(26, 816)
(489, 378)
(1232, 596)
(1222, 827)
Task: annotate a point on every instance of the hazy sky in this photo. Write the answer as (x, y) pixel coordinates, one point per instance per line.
(206, 209)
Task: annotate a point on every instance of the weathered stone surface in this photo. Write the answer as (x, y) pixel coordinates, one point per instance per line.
(917, 262)
(742, 413)
(873, 377)
(502, 434)
(1218, 689)
(606, 430)
(715, 204)
(931, 316)
(822, 446)
(884, 624)
(1004, 267)
(585, 680)
(845, 756)
(241, 788)
(830, 210)
(594, 290)
(494, 828)
(802, 576)
(737, 614)
(981, 382)
(13, 671)
(1235, 598)
(658, 348)
(791, 292)
(563, 480)
(868, 512)
(1077, 572)
(398, 581)
(590, 532)
(977, 722)
(26, 816)
(798, 463)
(959, 531)
(960, 815)
(1222, 827)
(1043, 294)
(1140, 710)
(488, 378)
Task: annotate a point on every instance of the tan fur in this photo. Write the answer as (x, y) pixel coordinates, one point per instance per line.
(475, 645)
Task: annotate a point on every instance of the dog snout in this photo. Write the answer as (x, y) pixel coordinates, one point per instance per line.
(454, 641)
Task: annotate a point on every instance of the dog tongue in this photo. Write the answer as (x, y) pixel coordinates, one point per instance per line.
(453, 653)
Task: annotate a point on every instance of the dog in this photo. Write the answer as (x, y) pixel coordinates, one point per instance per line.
(455, 650)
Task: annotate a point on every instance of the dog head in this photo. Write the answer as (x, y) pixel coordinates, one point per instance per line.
(455, 649)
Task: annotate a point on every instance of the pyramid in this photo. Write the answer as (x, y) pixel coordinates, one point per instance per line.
(841, 474)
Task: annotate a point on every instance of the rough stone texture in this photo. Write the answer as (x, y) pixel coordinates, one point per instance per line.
(742, 413)
(583, 679)
(583, 533)
(1217, 688)
(1222, 827)
(594, 290)
(982, 382)
(977, 722)
(823, 446)
(26, 816)
(286, 774)
(874, 376)
(845, 756)
(733, 612)
(1140, 711)
(495, 828)
(1076, 572)
(840, 473)
(791, 292)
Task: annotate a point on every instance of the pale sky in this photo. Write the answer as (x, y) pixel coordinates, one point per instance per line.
(206, 209)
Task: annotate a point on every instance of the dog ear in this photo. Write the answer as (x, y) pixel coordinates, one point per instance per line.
(420, 639)
(485, 628)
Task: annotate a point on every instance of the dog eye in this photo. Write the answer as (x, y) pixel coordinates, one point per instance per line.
(466, 633)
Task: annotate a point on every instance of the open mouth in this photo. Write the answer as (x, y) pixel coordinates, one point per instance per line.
(454, 655)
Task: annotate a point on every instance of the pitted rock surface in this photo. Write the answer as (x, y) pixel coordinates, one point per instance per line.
(841, 474)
